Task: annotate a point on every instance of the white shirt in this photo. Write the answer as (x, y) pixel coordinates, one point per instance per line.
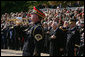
(55, 29)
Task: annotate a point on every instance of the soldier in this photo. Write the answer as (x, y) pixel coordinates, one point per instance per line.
(34, 44)
(73, 39)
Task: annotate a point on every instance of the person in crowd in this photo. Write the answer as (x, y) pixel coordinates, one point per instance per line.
(73, 39)
(81, 52)
(56, 47)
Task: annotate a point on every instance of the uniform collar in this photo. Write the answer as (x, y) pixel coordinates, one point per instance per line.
(38, 23)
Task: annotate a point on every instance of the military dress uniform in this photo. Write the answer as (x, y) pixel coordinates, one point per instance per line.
(34, 44)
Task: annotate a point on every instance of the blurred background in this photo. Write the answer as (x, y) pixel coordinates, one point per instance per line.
(18, 6)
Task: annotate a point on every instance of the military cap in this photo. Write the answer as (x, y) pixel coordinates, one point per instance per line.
(38, 12)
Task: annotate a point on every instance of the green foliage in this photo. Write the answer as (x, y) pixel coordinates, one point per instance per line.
(18, 6)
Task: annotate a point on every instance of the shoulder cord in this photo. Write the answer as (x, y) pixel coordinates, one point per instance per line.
(35, 29)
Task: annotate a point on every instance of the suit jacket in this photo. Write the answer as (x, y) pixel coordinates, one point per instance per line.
(59, 41)
(73, 38)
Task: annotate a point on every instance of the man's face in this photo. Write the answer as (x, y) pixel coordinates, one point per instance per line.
(34, 17)
(82, 25)
(72, 25)
(54, 26)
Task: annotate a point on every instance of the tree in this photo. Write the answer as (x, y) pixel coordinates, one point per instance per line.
(18, 6)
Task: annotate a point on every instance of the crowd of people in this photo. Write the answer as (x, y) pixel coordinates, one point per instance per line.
(64, 42)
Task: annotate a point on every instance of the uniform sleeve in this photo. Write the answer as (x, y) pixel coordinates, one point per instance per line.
(38, 33)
